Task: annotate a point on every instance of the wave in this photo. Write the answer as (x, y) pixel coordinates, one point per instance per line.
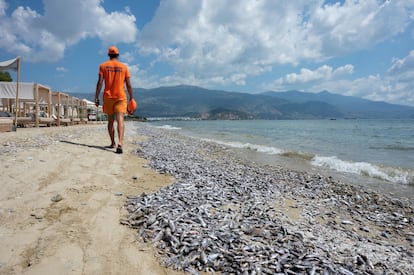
(391, 174)
(167, 127)
(254, 147)
(270, 150)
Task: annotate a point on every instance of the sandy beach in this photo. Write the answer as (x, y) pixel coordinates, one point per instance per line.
(191, 205)
(62, 200)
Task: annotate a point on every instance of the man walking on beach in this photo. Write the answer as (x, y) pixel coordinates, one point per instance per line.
(116, 75)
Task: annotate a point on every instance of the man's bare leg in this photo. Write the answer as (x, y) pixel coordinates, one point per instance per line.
(111, 130)
(120, 122)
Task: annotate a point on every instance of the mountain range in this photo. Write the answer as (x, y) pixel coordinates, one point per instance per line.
(197, 102)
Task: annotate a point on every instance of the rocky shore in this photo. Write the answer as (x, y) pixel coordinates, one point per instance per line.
(231, 216)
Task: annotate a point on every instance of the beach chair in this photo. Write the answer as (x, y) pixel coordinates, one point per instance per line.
(6, 124)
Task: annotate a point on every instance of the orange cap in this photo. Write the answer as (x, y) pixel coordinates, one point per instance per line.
(113, 50)
(132, 106)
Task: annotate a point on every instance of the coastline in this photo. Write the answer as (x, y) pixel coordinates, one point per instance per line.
(340, 226)
(62, 200)
(226, 214)
(383, 163)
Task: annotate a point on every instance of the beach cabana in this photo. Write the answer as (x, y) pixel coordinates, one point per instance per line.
(61, 103)
(33, 105)
(83, 111)
(75, 110)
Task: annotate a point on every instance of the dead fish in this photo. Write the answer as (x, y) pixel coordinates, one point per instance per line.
(223, 215)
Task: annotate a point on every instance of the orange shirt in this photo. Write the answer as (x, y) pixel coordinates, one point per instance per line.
(114, 73)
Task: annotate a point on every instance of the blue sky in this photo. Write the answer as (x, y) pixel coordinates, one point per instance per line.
(359, 48)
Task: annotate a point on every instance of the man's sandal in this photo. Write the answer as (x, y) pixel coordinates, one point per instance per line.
(119, 149)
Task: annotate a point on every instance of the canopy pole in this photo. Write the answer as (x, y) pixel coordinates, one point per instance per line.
(17, 106)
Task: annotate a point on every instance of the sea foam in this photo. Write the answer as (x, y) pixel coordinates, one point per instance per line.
(254, 147)
(390, 174)
(167, 127)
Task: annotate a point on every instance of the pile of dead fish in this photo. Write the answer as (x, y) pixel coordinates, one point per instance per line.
(219, 217)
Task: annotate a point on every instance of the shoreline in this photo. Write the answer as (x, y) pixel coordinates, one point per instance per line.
(398, 190)
(190, 206)
(262, 208)
(62, 199)
(338, 156)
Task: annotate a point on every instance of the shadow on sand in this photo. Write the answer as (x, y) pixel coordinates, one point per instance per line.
(105, 148)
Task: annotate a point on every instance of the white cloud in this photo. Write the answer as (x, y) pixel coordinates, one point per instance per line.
(356, 25)
(396, 86)
(401, 80)
(152, 81)
(217, 38)
(61, 69)
(372, 87)
(134, 70)
(3, 7)
(127, 57)
(403, 66)
(211, 38)
(45, 37)
(323, 73)
(214, 43)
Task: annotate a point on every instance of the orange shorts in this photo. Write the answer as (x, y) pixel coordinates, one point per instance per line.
(114, 105)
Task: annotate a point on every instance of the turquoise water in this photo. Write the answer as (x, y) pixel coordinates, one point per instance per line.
(356, 150)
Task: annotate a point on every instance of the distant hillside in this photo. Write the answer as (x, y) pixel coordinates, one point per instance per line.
(349, 106)
(196, 102)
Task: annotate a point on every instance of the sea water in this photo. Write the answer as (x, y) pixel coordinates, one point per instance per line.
(378, 154)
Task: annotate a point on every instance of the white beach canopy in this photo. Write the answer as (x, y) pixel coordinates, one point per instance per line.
(30, 93)
(26, 91)
(13, 64)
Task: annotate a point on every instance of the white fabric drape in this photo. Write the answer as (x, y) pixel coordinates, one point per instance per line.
(11, 64)
(8, 90)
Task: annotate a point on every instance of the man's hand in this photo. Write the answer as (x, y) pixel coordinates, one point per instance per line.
(96, 102)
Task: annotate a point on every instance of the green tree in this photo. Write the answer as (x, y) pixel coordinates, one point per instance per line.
(5, 76)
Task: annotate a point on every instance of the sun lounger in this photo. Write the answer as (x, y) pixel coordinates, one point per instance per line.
(24, 121)
(65, 121)
(6, 124)
(47, 120)
(75, 120)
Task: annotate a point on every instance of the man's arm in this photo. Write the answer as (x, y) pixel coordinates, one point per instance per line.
(98, 89)
(129, 88)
